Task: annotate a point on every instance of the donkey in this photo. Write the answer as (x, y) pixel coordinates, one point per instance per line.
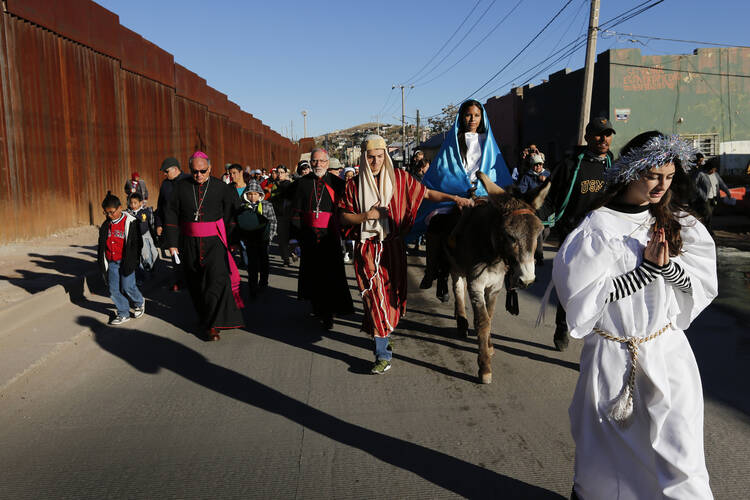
(497, 237)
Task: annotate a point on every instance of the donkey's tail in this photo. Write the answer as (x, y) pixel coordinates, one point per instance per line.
(545, 301)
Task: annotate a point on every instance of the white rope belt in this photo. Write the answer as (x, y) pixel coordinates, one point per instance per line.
(622, 406)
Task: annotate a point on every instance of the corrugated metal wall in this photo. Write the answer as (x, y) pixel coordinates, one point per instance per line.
(84, 102)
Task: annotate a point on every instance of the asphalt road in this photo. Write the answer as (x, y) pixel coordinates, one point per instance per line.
(287, 410)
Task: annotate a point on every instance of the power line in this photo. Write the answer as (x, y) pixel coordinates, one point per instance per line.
(734, 75)
(570, 25)
(523, 49)
(461, 59)
(631, 13)
(446, 42)
(466, 34)
(386, 102)
(617, 33)
(569, 49)
(618, 19)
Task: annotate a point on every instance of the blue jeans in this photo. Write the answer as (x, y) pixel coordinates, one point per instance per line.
(127, 285)
(383, 349)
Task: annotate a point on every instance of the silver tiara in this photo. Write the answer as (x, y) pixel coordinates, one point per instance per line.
(656, 152)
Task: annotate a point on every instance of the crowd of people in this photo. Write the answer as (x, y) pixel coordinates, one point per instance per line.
(635, 267)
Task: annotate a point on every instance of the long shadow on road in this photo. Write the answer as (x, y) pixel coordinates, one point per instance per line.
(150, 353)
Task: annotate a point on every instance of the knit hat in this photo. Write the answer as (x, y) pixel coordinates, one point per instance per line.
(536, 159)
(169, 162)
(254, 187)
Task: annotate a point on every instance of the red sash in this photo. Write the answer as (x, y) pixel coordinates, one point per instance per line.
(217, 228)
(321, 221)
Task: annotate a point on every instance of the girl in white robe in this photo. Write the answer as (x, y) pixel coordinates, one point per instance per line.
(637, 421)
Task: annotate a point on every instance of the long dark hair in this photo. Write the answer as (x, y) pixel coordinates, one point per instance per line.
(462, 128)
(672, 206)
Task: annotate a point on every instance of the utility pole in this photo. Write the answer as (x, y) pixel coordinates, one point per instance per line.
(403, 122)
(588, 71)
(304, 117)
(291, 128)
(417, 136)
(377, 120)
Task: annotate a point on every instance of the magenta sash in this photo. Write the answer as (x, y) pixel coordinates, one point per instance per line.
(320, 222)
(217, 228)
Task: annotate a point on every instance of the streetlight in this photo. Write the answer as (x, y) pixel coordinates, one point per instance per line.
(304, 117)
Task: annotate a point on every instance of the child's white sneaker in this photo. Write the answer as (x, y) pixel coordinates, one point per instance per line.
(118, 320)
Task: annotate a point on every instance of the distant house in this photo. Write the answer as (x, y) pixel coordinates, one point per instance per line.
(394, 149)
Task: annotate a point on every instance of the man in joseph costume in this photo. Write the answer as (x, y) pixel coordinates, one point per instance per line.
(381, 204)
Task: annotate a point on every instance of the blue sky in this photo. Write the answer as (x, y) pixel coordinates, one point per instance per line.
(338, 60)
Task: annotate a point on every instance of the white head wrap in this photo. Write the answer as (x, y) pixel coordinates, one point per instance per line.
(375, 193)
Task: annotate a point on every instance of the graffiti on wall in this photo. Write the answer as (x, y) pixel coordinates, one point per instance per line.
(639, 79)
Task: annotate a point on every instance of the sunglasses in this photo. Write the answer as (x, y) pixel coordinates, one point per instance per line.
(194, 172)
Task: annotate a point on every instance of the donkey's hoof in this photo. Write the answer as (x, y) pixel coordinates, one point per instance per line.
(485, 378)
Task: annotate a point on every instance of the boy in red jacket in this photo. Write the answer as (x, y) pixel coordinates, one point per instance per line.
(119, 254)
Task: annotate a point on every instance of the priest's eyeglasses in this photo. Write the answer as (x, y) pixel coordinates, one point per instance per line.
(319, 161)
(196, 172)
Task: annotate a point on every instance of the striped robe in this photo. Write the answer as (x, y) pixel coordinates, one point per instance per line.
(380, 267)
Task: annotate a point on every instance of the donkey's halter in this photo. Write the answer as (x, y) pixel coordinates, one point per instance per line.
(521, 211)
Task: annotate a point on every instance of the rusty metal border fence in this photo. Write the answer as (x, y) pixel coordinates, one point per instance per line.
(85, 101)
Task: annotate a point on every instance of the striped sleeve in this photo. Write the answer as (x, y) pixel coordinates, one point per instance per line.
(675, 275)
(629, 283)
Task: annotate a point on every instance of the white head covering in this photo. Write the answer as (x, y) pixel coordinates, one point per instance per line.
(375, 193)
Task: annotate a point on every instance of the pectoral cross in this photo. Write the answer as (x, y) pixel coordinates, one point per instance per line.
(317, 213)
(197, 214)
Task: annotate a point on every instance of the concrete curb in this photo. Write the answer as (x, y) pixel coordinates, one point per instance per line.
(25, 350)
(41, 303)
(38, 304)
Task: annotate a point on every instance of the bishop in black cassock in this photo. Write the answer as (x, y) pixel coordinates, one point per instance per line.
(322, 277)
(199, 222)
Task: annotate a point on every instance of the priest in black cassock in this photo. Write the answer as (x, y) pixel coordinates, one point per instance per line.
(200, 218)
(322, 278)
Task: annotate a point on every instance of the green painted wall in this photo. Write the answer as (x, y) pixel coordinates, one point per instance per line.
(682, 94)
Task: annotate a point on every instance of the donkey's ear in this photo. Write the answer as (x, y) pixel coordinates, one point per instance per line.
(491, 187)
(540, 195)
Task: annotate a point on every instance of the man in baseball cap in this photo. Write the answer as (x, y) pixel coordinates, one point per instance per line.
(599, 125)
(172, 175)
(578, 187)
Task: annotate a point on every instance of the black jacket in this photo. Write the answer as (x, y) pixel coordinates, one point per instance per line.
(588, 191)
(131, 252)
(281, 198)
(165, 194)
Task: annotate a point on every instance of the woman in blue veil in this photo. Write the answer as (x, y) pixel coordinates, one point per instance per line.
(467, 149)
